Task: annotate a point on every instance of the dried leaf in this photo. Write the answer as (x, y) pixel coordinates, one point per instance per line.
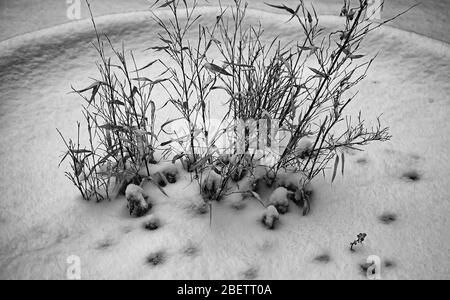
(216, 69)
(92, 86)
(117, 102)
(146, 66)
(283, 7)
(177, 157)
(321, 74)
(168, 122)
(357, 56)
(336, 163)
(151, 81)
(81, 151)
(158, 48)
(166, 4)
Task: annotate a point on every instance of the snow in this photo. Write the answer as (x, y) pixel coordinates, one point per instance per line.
(41, 226)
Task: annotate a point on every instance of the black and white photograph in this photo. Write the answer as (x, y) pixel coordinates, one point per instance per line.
(224, 140)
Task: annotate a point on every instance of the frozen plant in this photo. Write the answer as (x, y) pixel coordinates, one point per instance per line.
(270, 217)
(280, 199)
(210, 184)
(359, 239)
(138, 201)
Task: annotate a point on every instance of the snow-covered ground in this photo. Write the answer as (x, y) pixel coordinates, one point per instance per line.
(44, 221)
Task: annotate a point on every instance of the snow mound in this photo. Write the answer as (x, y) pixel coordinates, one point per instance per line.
(279, 199)
(270, 217)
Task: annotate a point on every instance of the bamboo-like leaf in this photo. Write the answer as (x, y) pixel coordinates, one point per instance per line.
(158, 48)
(133, 92)
(218, 88)
(143, 79)
(151, 81)
(310, 19)
(346, 51)
(336, 163)
(282, 7)
(166, 143)
(305, 48)
(168, 122)
(239, 65)
(81, 151)
(94, 92)
(177, 157)
(216, 69)
(321, 74)
(92, 86)
(342, 163)
(107, 126)
(356, 56)
(156, 2)
(166, 4)
(169, 42)
(146, 66)
(64, 157)
(117, 102)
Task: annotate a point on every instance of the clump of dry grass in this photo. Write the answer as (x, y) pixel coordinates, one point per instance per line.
(286, 101)
(119, 117)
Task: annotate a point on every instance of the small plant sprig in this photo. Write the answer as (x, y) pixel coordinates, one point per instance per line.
(359, 239)
(120, 117)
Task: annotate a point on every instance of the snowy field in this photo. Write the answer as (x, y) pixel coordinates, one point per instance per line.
(397, 192)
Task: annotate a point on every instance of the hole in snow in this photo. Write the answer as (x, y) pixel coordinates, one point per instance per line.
(324, 258)
(250, 273)
(156, 258)
(361, 161)
(152, 224)
(104, 244)
(191, 250)
(199, 207)
(411, 175)
(387, 218)
(389, 263)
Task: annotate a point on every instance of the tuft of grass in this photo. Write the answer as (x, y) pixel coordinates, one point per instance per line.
(286, 103)
(119, 117)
